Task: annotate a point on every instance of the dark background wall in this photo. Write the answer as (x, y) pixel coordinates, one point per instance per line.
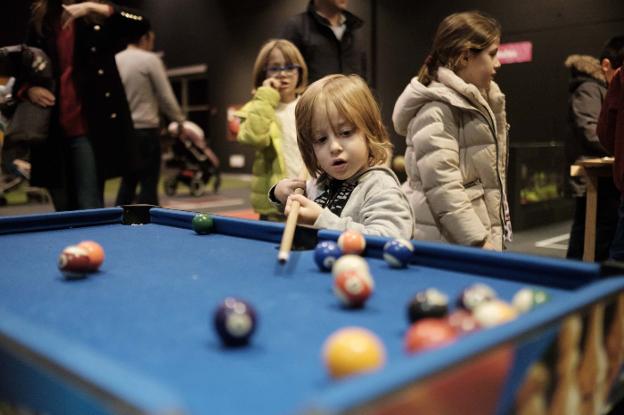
(226, 35)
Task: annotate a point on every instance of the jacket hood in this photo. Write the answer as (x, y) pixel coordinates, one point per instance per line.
(449, 88)
(584, 68)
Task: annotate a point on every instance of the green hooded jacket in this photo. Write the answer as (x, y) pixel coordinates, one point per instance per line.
(260, 128)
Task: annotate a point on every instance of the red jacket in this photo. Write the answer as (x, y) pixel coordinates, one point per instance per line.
(611, 126)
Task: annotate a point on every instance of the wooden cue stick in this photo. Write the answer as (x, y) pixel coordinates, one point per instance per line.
(289, 229)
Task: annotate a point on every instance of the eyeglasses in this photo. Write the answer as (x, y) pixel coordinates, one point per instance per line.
(290, 68)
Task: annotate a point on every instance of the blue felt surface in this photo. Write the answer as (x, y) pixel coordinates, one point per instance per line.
(150, 306)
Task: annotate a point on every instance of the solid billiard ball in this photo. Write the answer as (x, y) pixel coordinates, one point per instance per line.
(74, 262)
(352, 242)
(428, 333)
(203, 223)
(463, 321)
(352, 350)
(95, 253)
(235, 321)
(475, 295)
(428, 303)
(493, 313)
(325, 254)
(398, 252)
(527, 299)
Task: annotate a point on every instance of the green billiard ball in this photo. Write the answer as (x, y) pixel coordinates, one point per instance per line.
(203, 223)
(528, 298)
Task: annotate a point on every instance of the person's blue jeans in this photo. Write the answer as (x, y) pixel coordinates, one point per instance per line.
(81, 187)
(617, 246)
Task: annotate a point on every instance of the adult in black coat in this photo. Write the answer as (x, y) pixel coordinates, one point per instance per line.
(90, 127)
(329, 38)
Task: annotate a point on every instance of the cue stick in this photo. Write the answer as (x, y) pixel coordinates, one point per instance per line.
(289, 229)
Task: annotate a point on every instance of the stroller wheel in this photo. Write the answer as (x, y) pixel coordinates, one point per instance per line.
(171, 186)
(197, 187)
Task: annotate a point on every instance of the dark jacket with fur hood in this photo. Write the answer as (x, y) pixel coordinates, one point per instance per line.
(587, 91)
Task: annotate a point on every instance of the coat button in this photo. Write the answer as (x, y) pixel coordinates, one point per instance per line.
(96, 27)
(113, 115)
(100, 71)
(93, 48)
(107, 94)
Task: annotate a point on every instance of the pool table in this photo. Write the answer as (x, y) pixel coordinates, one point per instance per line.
(136, 337)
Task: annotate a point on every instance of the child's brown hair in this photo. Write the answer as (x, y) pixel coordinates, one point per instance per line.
(353, 100)
(457, 34)
(291, 55)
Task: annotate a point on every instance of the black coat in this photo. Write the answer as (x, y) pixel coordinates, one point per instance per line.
(322, 51)
(104, 103)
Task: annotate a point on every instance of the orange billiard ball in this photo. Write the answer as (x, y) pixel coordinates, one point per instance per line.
(352, 242)
(353, 350)
(95, 253)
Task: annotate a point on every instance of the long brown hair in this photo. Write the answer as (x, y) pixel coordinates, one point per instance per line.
(457, 34)
(291, 55)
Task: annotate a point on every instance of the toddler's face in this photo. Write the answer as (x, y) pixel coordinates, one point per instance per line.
(481, 67)
(340, 148)
(286, 73)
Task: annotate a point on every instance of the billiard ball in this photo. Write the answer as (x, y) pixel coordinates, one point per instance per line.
(398, 252)
(493, 313)
(428, 303)
(95, 253)
(350, 262)
(325, 254)
(463, 322)
(352, 242)
(475, 295)
(74, 262)
(428, 333)
(352, 350)
(353, 287)
(203, 223)
(527, 299)
(235, 321)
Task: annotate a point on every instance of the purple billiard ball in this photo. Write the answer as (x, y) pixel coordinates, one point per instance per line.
(325, 254)
(235, 321)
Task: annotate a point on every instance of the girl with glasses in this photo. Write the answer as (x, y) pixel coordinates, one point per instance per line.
(280, 75)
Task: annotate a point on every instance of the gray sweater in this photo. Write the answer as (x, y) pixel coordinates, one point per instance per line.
(377, 206)
(147, 88)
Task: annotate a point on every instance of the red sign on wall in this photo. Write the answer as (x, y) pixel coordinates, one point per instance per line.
(516, 52)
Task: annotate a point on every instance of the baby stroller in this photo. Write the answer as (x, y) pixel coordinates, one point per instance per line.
(195, 164)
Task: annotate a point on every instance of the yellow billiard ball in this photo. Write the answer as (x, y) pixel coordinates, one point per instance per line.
(353, 350)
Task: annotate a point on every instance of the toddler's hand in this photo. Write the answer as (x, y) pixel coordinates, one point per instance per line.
(489, 246)
(309, 211)
(272, 82)
(285, 187)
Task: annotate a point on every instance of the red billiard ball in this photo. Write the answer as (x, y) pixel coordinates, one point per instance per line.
(74, 262)
(95, 253)
(235, 321)
(427, 334)
(353, 283)
(352, 242)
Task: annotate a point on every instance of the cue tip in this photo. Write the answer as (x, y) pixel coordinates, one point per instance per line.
(282, 257)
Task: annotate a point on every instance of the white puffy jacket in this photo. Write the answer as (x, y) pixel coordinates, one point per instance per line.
(455, 160)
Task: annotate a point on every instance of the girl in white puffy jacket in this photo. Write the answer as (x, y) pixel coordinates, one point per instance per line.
(453, 116)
